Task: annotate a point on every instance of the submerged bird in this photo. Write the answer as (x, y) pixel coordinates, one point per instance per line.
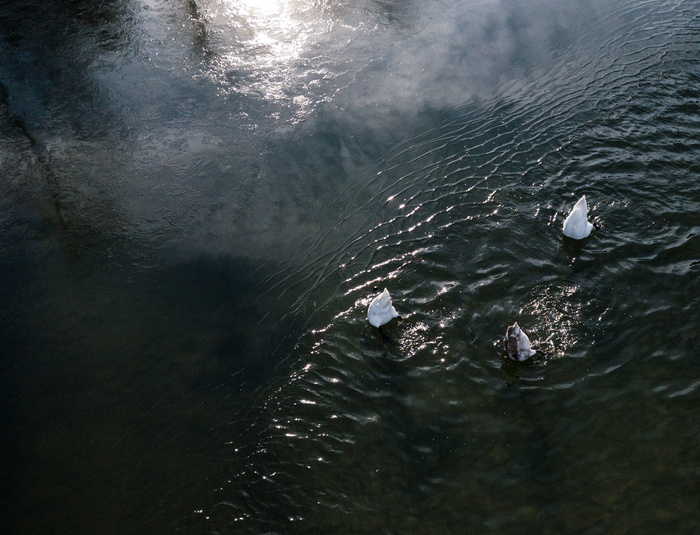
(517, 343)
(380, 310)
(576, 225)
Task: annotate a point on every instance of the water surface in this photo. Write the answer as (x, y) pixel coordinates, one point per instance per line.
(199, 198)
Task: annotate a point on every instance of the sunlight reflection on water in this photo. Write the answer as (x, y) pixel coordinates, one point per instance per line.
(279, 63)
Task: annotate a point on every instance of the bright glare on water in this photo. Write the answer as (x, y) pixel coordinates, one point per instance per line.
(200, 198)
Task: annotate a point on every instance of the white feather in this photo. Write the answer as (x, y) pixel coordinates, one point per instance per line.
(576, 225)
(381, 310)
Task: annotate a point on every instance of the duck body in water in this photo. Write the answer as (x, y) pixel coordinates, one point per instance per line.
(518, 344)
(576, 225)
(381, 310)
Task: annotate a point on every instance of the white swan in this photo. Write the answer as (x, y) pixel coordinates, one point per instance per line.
(380, 310)
(576, 225)
(517, 343)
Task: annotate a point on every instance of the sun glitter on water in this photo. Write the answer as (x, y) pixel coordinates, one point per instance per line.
(262, 41)
(262, 6)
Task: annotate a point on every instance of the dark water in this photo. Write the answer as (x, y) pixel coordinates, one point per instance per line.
(198, 197)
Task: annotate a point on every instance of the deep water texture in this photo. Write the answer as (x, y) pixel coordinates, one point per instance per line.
(198, 198)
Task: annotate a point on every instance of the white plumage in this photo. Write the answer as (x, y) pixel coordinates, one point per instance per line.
(576, 225)
(518, 344)
(380, 310)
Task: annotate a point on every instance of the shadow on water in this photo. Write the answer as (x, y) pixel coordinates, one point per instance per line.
(222, 293)
(14, 415)
(120, 384)
(38, 160)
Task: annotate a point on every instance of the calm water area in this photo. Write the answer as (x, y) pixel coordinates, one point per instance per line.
(198, 199)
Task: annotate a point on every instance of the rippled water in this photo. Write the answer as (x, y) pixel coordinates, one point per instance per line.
(198, 199)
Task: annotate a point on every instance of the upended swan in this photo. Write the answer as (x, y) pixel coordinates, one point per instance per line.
(517, 343)
(380, 310)
(576, 225)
